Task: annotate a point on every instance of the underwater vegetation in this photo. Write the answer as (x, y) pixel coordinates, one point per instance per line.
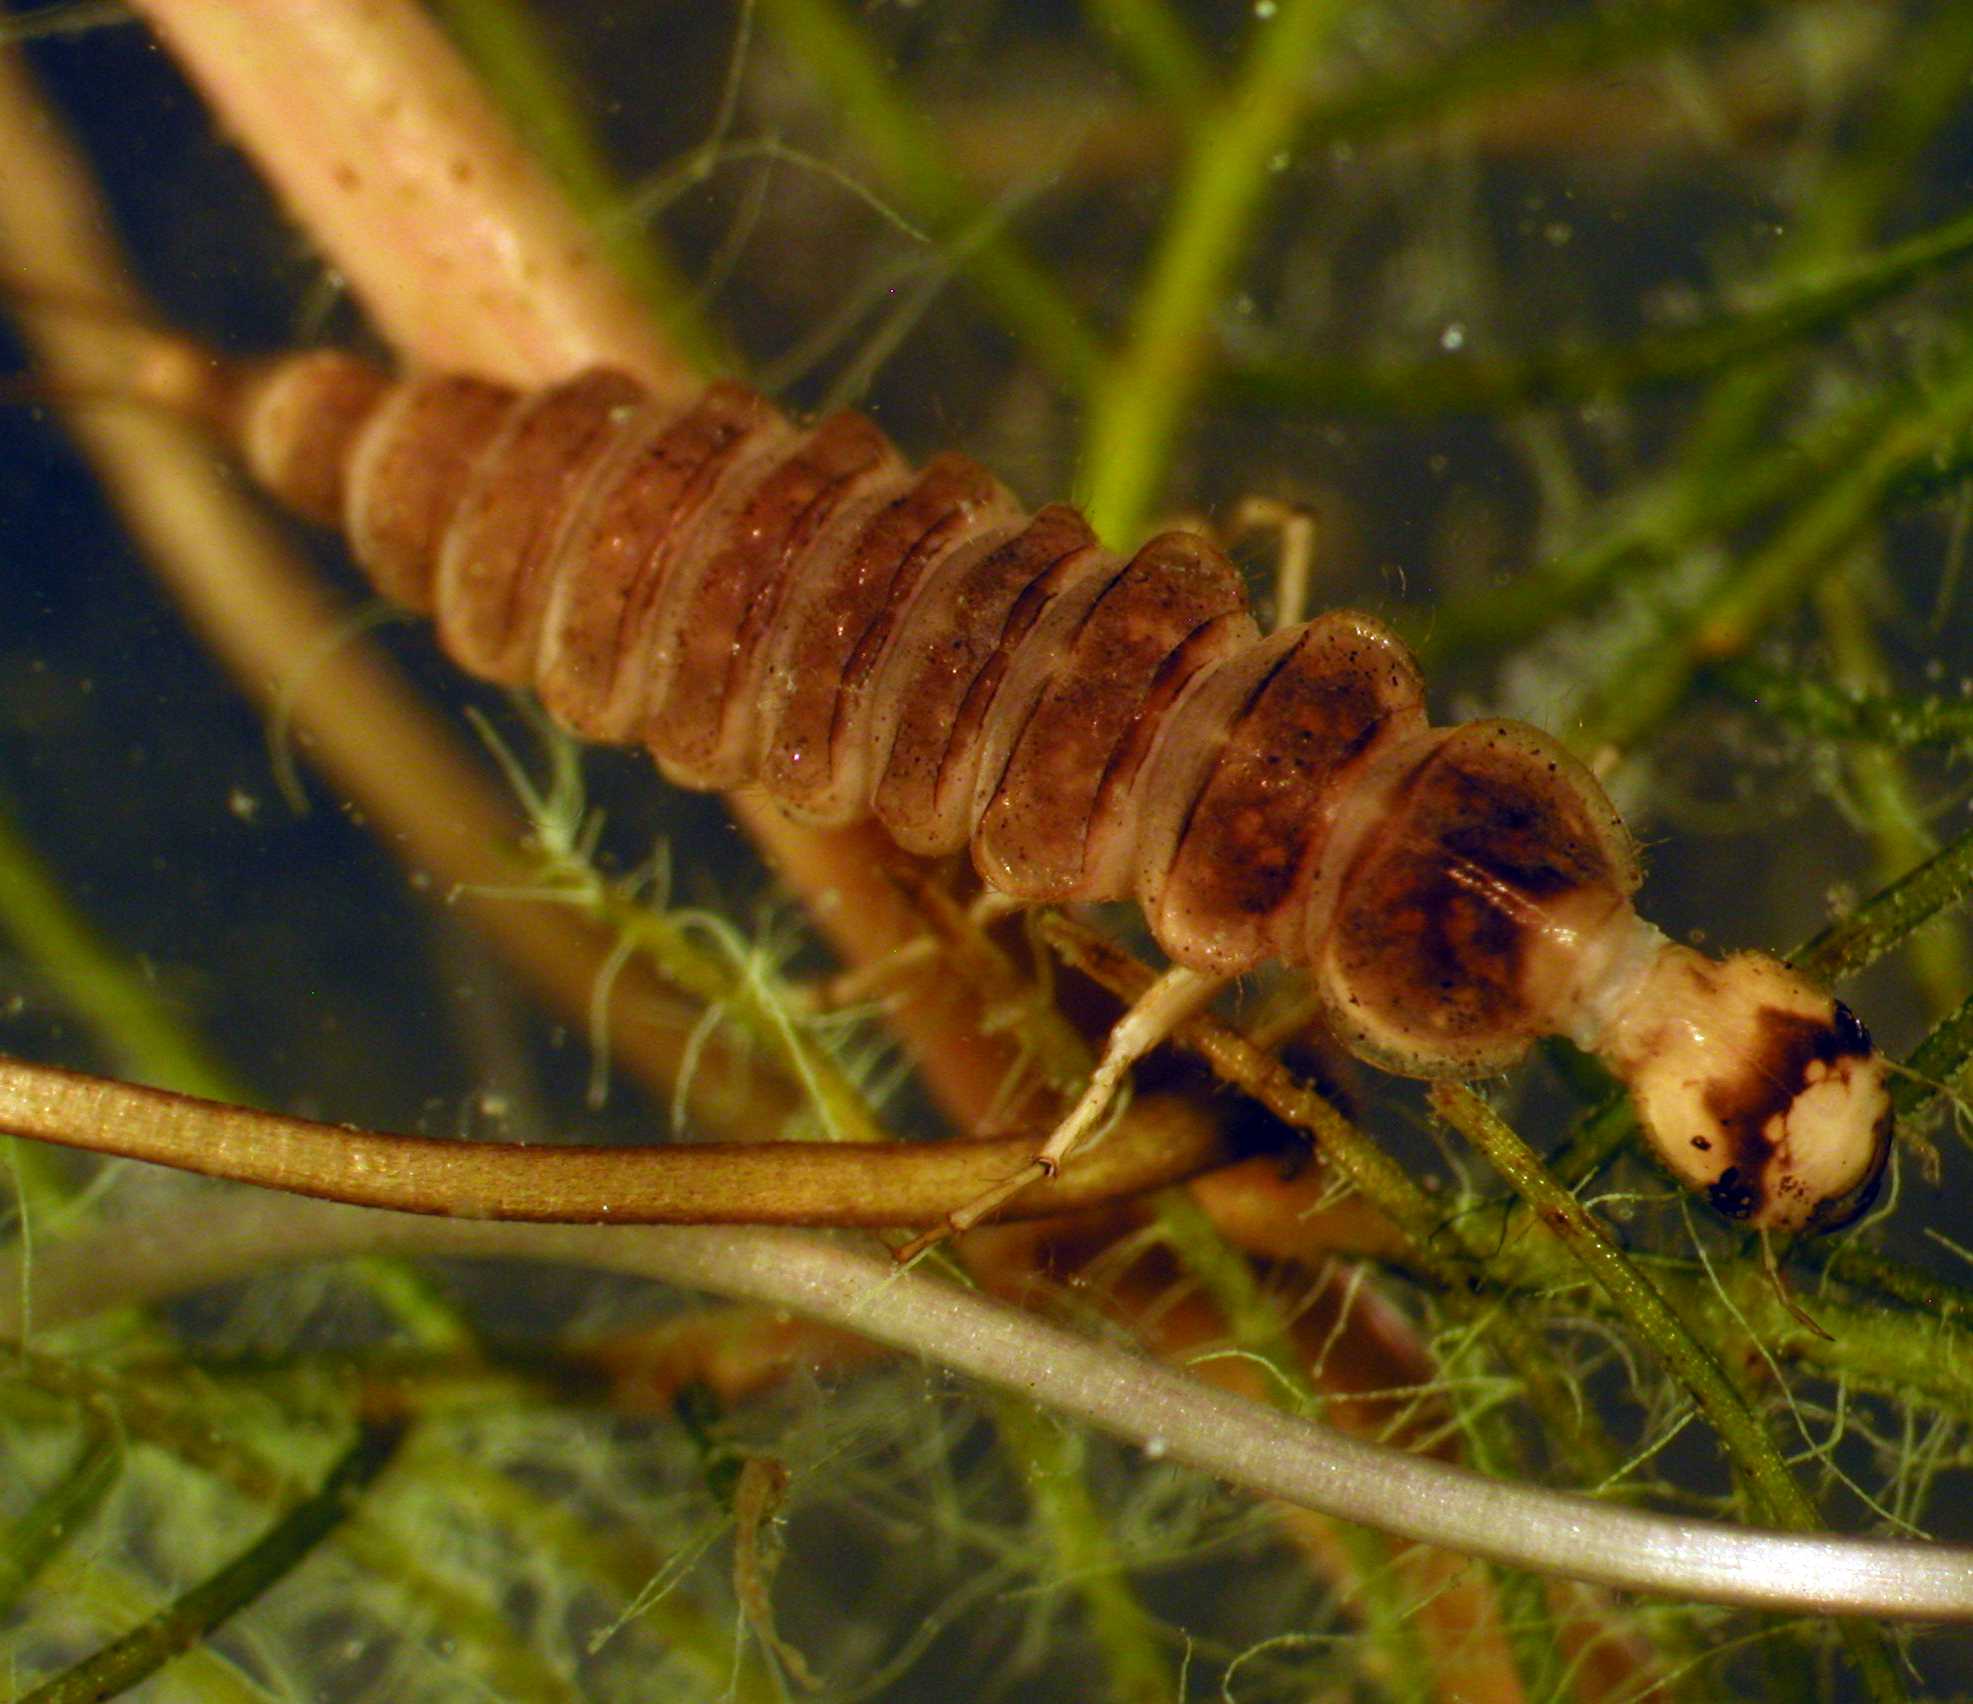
(1619, 355)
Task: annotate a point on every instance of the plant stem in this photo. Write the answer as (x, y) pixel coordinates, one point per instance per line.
(882, 1183)
(1639, 691)
(826, 44)
(1833, 712)
(1126, 1394)
(1882, 785)
(145, 1650)
(1797, 310)
(1150, 385)
(32, 1539)
(1051, 1458)
(1777, 1498)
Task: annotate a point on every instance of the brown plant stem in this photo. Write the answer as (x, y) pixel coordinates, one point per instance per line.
(382, 142)
(782, 1183)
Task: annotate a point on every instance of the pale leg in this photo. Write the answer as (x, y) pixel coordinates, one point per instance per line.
(1167, 1003)
(1294, 527)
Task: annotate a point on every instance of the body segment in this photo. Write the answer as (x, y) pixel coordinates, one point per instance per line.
(756, 602)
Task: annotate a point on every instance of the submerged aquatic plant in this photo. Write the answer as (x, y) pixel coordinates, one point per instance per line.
(1657, 299)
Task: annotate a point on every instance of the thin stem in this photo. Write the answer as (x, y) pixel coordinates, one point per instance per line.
(1639, 691)
(1882, 784)
(1794, 312)
(95, 981)
(1889, 917)
(1650, 1317)
(909, 153)
(1255, 1326)
(812, 1183)
(1136, 1399)
(1073, 1527)
(142, 1652)
(1150, 385)
(1835, 712)
(1441, 1246)
(1370, 1170)
(33, 1538)
(1162, 51)
(1636, 1300)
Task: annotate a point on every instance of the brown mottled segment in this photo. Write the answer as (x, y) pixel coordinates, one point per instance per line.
(1471, 860)
(407, 473)
(490, 586)
(1120, 816)
(611, 560)
(1236, 890)
(818, 750)
(1031, 838)
(700, 728)
(952, 659)
(297, 421)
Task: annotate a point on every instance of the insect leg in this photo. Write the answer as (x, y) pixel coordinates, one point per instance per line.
(1168, 1002)
(1293, 527)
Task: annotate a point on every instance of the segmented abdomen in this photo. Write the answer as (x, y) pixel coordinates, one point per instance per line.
(760, 602)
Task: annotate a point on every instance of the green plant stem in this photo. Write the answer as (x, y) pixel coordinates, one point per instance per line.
(1443, 1247)
(1726, 471)
(1882, 785)
(194, 1615)
(167, 1408)
(1078, 1536)
(1833, 220)
(1939, 1062)
(1938, 1304)
(1672, 517)
(1834, 712)
(1640, 690)
(33, 1538)
(906, 149)
(1778, 1500)
(1162, 52)
(667, 1625)
(1255, 1325)
(1370, 1169)
(95, 982)
(1798, 309)
(1526, 1619)
(1847, 947)
(1153, 380)
(1834, 217)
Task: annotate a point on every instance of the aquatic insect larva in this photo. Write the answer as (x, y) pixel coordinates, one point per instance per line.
(756, 601)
